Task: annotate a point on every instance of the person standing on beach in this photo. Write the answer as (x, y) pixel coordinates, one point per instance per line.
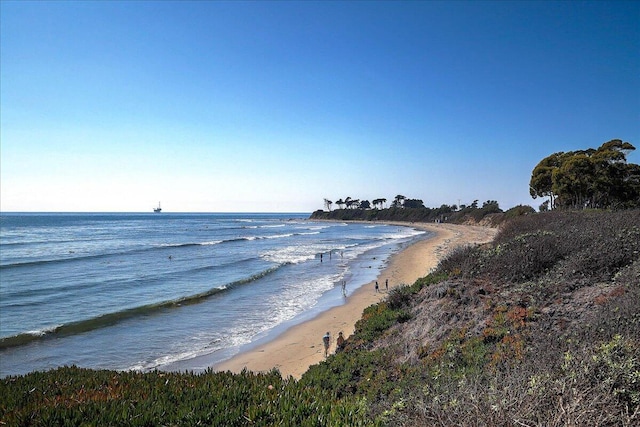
(386, 285)
(325, 339)
(344, 288)
(377, 287)
(340, 342)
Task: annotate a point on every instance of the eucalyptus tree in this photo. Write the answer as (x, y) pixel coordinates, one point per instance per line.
(592, 178)
(541, 183)
(573, 181)
(614, 179)
(327, 204)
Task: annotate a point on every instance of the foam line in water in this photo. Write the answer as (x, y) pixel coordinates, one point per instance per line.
(109, 319)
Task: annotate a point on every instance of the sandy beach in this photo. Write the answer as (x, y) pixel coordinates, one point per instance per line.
(301, 346)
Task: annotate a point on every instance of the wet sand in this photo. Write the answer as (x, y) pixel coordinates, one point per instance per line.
(301, 346)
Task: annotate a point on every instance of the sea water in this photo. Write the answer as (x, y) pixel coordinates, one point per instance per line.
(154, 291)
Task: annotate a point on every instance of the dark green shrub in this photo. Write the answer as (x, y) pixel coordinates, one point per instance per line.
(399, 297)
(519, 210)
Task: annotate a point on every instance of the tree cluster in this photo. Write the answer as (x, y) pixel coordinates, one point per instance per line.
(399, 201)
(413, 210)
(403, 202)
(592, 178)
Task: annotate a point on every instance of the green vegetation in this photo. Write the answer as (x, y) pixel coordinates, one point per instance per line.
(592, 178)
(72, 397)
(413, 210)
(541, 327)
(586, 179)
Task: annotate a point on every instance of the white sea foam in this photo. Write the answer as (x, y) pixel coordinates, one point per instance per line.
(170, 245)
(278, 236)
(291, 254)
(43, 331)
(296, 254)
(198, 345)
(163, 361)
(317, 227)
(301, 296)
(403, 234)
(295, 286)
(212, 242)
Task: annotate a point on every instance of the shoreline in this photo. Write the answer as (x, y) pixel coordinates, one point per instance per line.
(296, 349)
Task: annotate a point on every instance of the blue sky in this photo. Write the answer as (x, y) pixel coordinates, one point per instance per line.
(274, 106)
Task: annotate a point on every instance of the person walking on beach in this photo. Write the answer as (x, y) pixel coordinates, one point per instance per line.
(325, 339)
(386, 285)
(344, 288)
(340, 342)
(377, 287)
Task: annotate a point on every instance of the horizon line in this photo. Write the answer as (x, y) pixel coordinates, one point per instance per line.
(155, 213)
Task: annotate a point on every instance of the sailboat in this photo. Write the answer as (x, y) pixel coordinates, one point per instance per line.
(158, 209)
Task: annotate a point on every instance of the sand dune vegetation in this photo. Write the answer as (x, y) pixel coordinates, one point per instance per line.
(539, 327)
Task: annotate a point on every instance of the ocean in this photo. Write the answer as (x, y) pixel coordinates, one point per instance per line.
(156, 291)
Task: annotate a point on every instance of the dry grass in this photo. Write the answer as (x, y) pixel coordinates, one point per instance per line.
(540, 328)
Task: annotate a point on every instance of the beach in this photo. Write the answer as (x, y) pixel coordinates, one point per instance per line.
(177, 291)
(301, 346)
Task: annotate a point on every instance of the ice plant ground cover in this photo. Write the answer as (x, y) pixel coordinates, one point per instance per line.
(539, 327)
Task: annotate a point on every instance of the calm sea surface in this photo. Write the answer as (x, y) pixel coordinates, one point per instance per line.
(146, 291)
